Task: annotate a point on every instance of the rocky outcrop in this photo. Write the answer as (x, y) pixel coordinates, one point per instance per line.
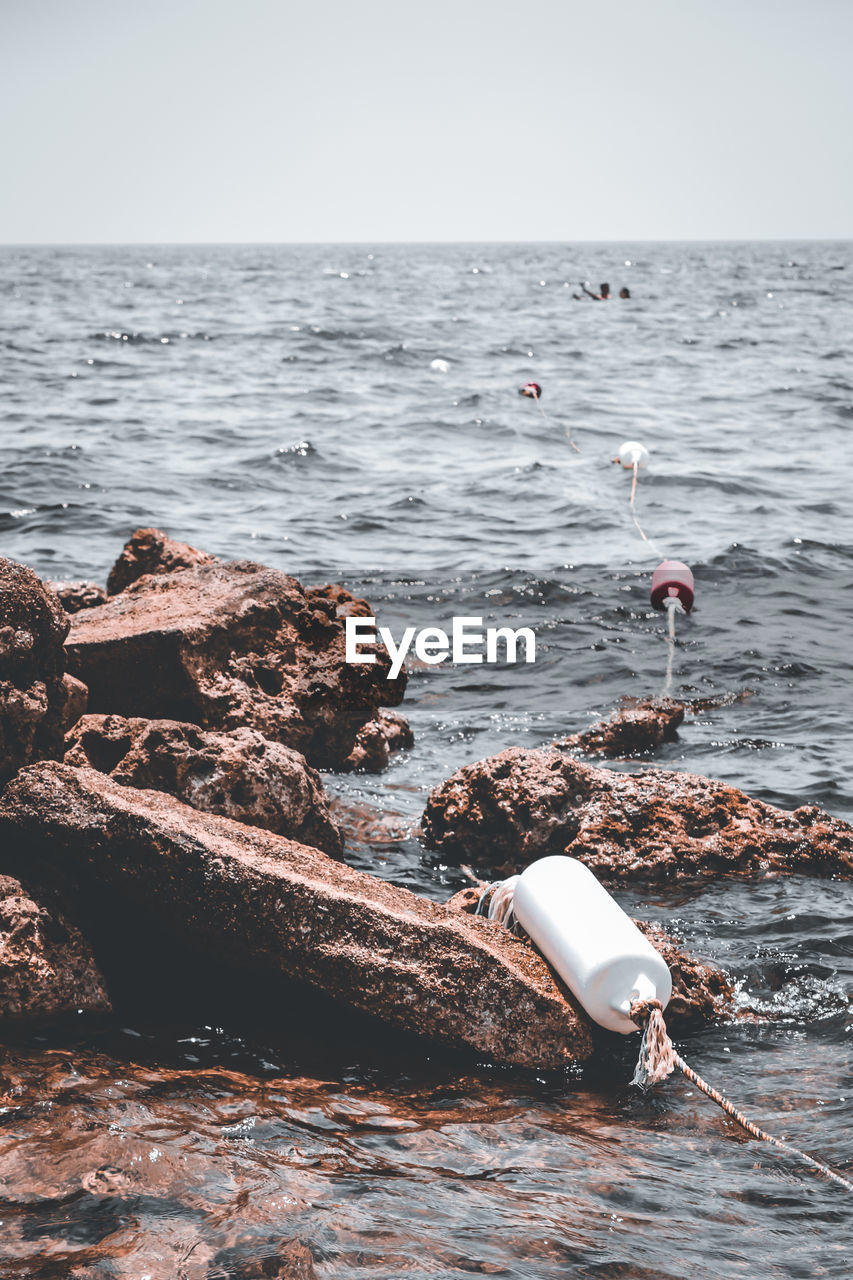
(701, 993)
(378, 740)
(46, 968)
(345, 603)
(639, 725)
(75, 700)
(74, 596)
(238, 774)
(503, 812)
(257, 900)
(33, 626)
(152, 551)
(226, 646)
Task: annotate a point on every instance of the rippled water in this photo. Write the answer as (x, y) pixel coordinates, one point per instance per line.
(279, 403)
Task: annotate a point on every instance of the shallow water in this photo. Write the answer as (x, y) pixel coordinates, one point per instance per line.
(293, 417)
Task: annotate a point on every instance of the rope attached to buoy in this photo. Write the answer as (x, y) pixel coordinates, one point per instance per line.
(673, 605)
(658, 1059)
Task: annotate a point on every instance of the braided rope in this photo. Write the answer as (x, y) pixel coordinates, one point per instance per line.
(658, 1059)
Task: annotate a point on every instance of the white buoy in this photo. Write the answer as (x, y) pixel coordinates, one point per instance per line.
(583, 933)
(440, 366)
(633, 454)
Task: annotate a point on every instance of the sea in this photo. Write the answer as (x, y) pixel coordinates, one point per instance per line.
(351, 413)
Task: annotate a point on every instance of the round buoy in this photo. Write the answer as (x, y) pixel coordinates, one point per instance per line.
(440, 366)
(672, 579)
(532, 390)
(633, 454)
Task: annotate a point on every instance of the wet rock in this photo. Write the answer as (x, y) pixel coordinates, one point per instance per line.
(640, 725)
(74, 596)
(378, 740)
(228, 645)
(33, 626)
(503, 812)
(701, 993)
(46, 967)
(239, 774)
(291, 1260)
(76, 700)
(152, 551)
(254, 899)
(345, 603)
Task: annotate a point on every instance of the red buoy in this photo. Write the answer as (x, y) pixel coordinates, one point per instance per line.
(672, 578)
(531, 389)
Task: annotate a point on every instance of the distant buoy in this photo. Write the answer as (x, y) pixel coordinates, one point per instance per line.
(440, 366)
(532, 390)
(633, 454)
(672, 580)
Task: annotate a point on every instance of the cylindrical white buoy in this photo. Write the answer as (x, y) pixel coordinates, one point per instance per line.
(632, 454)
(585, 935)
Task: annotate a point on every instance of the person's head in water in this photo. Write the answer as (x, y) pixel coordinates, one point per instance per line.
(624, 292)
(605, 290)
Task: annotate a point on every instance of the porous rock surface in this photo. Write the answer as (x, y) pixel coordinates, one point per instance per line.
(74, 596)
(509, 809)
(152, 551)
(639, 725)
(378, 740)
(33, 626)
(701, 993)
(239, 774)
(46, 967)
(228, 645)
(256, 899)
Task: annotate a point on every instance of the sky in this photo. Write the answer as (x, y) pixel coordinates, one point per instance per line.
(393, 120)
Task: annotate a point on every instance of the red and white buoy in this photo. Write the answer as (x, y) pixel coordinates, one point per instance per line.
(672, 580)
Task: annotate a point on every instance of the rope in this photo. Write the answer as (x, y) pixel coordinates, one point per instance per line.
(658, 1059)
(548, 420)
(654, 547)
(673, 604)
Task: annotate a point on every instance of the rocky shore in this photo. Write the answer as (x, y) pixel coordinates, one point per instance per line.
(159, 748)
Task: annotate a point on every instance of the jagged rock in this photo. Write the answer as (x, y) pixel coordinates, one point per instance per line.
(152, 551)
(238, 774)
(639, 725)
(701, 993)
(33, 626)
(227, 645)
(503, 812)
(76, 700)
(46, 967)
(378, 740)
(346, 604)
(74, 596)
(254, 899)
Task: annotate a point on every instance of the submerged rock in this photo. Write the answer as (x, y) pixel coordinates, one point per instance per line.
(239, 774)
(33, 626)
(229, 645)
(46, 967)
(639, 725)
(503, 812)
(378, 740)
(152, 551)
(74, 596)
(701, 993)
(270, 905)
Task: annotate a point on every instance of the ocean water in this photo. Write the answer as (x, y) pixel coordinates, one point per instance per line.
(281, 404)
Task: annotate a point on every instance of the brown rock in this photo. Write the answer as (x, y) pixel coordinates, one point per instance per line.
(257, 900)
(238, 774)
(76, 696)
(152, 551)
(33, 626)
(346, 604)
(701, 993)
(74, 596)
(227, 645)
(378, 740)
(503, 812)
(46, 968)
(640, 725)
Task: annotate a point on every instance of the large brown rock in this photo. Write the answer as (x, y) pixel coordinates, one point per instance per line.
(46, 967)
(227, 645)
(33, 626)
(239, 774)
(503, 812)
(254, 899)
(639, 725)
(152, 551)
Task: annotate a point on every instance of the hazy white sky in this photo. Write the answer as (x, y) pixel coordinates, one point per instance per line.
(244, 120)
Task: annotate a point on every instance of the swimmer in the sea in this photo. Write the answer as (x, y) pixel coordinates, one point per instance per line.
(604, 296)
(624, 292)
